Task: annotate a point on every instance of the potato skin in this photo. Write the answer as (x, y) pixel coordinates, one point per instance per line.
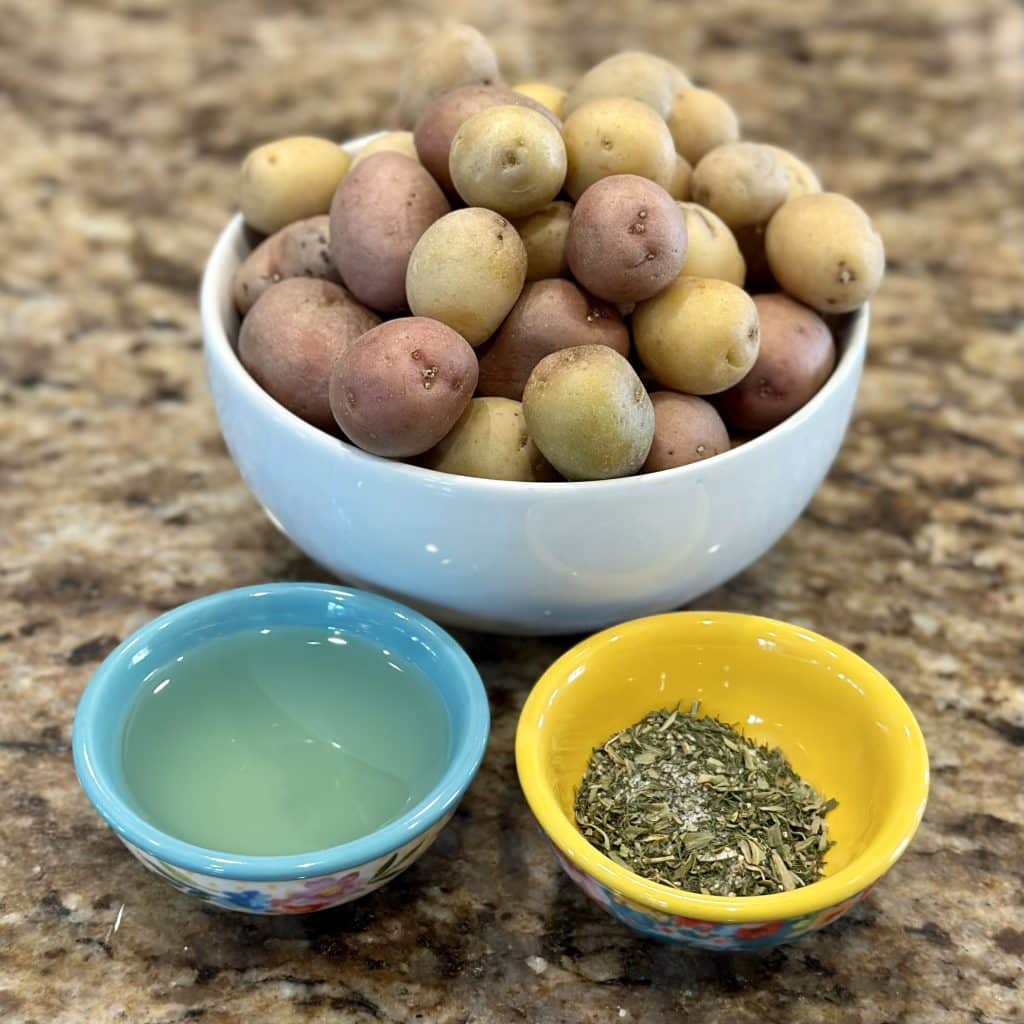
(679, 187)
(699, 121)
(378, 215)
(824, 251)
(686, 429)
(549, 316)
(627, 239)
(467, 271)
(711, 248)
(743, 182)
(544, 93)
(437, 126)
(588, 413)
(301, 249)
(802, 179)
(632, 74)
(454, 56)
(293, 336)
(616, 136)
(795, 358)
(543, 234)
(490, 441)
(509, 159)
(700, 335)
(289, 179)
(389, 142)
(398, 389)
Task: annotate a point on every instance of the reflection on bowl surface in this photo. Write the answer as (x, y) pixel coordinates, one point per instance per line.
(518, 557)
(305, 881)
(842, 726)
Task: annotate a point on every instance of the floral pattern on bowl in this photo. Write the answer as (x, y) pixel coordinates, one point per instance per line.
(703, 934)
(297, 896)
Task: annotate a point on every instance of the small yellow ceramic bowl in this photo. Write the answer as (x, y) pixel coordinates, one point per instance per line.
(842, 725)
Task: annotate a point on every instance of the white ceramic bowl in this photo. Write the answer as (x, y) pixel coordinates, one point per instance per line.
(515, 557)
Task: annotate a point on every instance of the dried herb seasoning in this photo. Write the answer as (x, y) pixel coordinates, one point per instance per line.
(688, 801)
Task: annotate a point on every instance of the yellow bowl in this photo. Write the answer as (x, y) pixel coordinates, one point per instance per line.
(842, 725)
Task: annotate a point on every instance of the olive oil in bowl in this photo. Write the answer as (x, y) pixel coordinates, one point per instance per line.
(283, 740)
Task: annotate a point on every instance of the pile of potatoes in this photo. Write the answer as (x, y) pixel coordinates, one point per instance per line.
(531, 284)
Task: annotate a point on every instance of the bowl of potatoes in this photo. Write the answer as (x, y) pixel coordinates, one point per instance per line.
(541, 361)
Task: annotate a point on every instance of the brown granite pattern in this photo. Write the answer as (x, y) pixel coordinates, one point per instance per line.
(121, 122)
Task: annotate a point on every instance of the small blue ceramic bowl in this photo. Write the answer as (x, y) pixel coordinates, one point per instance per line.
(300, 883)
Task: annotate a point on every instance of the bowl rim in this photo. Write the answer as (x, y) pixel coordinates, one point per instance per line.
(107, 796)
(216, 283)
(831, 890)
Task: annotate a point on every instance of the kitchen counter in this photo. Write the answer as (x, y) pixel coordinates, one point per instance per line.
(122, 125)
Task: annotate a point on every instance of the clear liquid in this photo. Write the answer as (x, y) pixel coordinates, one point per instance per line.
(283, 741)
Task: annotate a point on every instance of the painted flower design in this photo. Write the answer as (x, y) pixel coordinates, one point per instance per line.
(253, 900)
(759, 931)
(318, 893)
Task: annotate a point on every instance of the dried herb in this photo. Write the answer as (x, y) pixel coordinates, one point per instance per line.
(689, 802)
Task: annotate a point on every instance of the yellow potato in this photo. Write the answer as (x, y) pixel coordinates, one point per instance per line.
(589, 413)
(743, 182)
(699, 121)
(543, 234)
(454, 56)
(546, 94)
(490, 441)
(711, 248)
(467, 271)
(679, 188)
(508, 159)
(398, 142)
(651, 80)
(699, 336)
(824, 251)
(802, 179)
(617, 136)
(289, 179)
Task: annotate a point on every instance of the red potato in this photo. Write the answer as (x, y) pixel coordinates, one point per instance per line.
(378, 214)
(686, 429)
(795, 358)
(401, 387)
(549, 316)
(291, 338)
(627, 239)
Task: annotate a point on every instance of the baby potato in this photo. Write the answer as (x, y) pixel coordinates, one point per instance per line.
(824, 251)
(398, 389)
(633, 74)
(686, 429)
(490, 441)
(549, 316)
(301, 249)
(544, 93)
(679, 187)
(378, 215)
(588, 413)
(456, 55)
(616, 136)
(543, 234)
(508, 159)
(627, 239)
(439, 123)
(743, 182)
(795, 358)
(699, 336)
(802, 179)
(699, 121)
(288, 180)
(389, 142)
(711, 249)
(467, 271)
(292, 337)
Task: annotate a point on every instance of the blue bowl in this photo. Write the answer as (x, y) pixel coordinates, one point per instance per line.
(298, 883)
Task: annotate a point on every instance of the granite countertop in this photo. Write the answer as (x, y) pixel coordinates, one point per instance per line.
(122, 122)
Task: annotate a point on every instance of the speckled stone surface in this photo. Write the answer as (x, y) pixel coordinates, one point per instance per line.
(121, 125)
